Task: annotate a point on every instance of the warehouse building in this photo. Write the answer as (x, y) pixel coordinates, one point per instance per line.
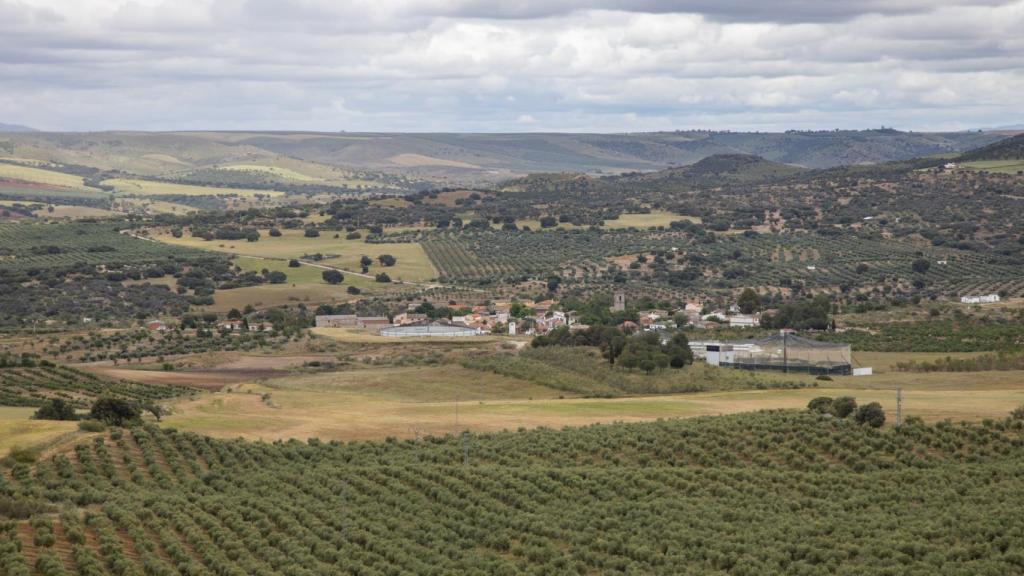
(437, 328)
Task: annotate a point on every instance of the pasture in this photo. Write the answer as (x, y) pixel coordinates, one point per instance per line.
(412, 262)
(74, 212)
(405, 401)
(1000, 166)
(653, 219)
(17, 430)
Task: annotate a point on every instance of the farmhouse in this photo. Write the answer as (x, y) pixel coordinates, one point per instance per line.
(372, 322)
(782, 352)
(155, 326)
(986, 299)
(335, 320)
(429, 329)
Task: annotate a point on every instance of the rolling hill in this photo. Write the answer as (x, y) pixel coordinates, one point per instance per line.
(1009, 149)
(15, 128)
(475, 157)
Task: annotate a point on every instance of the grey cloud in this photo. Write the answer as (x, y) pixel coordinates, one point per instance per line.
(471, 65)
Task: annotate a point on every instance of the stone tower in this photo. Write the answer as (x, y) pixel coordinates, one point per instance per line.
(619, 304)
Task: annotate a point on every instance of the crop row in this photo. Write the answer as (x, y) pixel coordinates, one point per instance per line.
(779, 492)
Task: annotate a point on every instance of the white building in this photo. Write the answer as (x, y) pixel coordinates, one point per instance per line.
(744, 321)
(986, 299)
(430, 329)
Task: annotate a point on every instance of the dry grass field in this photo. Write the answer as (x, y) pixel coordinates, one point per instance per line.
(271, 396)
(17, 430)
(655, 218)
(40, 175)
(74, 212)
(376, 402)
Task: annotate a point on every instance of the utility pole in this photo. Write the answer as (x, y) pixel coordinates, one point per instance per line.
(899, 407)
(785, 352)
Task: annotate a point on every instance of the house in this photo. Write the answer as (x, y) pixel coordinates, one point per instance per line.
(986, 299)
(744, 321)
(335, 320)
(372, 322)
(156, 326)
(231, 325)
(410, 318)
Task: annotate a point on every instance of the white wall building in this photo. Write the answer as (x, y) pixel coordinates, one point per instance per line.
(986, 299)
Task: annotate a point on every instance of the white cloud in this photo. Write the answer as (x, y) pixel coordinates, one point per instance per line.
(486, 66)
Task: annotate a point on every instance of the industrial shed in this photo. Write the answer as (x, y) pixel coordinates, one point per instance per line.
(429, 329)
(783, 352)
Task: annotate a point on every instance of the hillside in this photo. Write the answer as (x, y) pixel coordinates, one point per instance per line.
(15, 128)
(1009, 149)
(474, 157)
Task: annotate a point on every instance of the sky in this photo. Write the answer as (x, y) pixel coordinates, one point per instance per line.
(516, 66)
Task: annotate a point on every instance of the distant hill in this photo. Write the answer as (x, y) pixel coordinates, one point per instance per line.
(1009, 149)
(15, 128)
(481, 157)
(710, 172)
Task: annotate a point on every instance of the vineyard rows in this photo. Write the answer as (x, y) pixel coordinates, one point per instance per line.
(32, 386)
(763, 493)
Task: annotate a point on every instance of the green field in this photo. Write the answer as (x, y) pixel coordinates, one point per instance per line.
(1002, 166)
(412, 263)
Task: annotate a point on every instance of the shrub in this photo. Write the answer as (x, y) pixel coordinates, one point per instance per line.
(274, 232)
(333, 276)
(91, 426)
(311, 233)
(55, 409)
(387, 260)
(1017, 413)
(871, 414)
(293, 263)
(821, 405)
(843, 406)
(23, 455)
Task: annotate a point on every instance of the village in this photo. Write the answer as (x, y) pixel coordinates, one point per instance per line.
(531, 318)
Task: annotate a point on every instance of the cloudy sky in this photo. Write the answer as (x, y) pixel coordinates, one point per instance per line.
(523, 65)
